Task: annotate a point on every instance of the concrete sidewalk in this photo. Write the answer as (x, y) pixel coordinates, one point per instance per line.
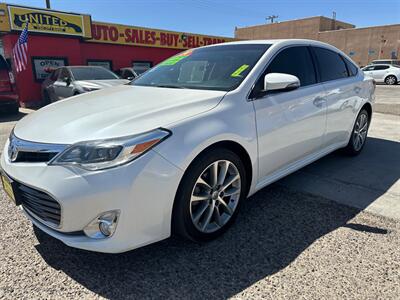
(387, 99)
(369, 181)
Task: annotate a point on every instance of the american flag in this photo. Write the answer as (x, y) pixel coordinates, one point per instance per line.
(20, 50)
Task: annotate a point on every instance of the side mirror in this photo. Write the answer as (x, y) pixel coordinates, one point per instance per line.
(280, 82)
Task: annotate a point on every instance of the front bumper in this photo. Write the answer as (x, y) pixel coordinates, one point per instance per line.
(143, 190)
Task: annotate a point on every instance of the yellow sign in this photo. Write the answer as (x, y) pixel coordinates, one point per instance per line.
(4, 22)
(48, 21)
(148, 37)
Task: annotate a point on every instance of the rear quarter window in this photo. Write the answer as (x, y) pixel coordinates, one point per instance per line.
(353, 69)
(331, 66)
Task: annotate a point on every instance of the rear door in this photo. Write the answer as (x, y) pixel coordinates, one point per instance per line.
(343, 89)
(290, 124)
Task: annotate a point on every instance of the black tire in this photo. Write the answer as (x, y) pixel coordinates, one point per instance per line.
(352, 149)
(391, 80)
(182, 223)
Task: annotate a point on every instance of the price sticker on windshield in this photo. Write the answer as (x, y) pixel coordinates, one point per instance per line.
(239, 71)
(175, 59)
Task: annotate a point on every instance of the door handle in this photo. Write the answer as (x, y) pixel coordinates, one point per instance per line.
(319, 102)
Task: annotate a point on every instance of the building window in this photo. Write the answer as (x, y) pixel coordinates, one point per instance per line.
(44, 65)
(101, 63)
(141, 66)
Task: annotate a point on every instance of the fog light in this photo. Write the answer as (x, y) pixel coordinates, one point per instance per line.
(103, 226)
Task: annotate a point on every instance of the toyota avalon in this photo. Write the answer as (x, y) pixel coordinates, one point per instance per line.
(179, 149)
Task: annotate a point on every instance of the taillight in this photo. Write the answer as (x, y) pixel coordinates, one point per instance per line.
(5, 81)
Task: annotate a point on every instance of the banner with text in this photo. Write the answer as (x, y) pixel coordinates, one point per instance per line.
(147, 37)
(47, 21)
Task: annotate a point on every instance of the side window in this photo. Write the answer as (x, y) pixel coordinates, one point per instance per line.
(63, 74)
(331, 65)
(294, 61)
(377, 68)
(353, 70)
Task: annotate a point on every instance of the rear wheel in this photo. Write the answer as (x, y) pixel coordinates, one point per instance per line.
(209, 196)
(359, 134)
(391, 80)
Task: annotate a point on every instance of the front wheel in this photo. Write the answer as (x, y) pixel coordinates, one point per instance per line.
(209, 196)
(359, 134)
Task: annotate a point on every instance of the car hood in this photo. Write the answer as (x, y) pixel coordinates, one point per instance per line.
(114, 112)
(100, 84)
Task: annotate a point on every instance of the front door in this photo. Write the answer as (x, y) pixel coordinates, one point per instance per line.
(291, 124)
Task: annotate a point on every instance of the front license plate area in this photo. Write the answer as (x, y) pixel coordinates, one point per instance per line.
(8, 187)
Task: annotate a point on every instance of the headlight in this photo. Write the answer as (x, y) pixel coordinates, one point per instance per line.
(103, 154)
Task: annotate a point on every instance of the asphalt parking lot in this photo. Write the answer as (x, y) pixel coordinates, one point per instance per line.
(330, 230)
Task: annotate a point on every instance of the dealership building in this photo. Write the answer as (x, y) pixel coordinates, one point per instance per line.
(60, 38)
(362, 44)
(63, 38)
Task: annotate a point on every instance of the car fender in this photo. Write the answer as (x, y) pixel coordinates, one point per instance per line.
(228, 122)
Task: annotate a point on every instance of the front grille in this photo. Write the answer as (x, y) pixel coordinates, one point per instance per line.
(39, 204)
(20, 150)
(34, 156)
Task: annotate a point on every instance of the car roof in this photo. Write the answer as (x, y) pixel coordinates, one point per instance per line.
(277, 42)
(387, 59)
(374, 65)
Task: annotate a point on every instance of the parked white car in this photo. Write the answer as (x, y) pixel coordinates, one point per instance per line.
(388, 74)
(68, 81)
(180, 148)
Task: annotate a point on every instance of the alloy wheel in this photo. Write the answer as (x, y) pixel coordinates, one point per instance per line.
(390, 80)
(215, 196)
(360, 131)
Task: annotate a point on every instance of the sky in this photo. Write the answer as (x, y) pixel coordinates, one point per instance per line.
(219, 17)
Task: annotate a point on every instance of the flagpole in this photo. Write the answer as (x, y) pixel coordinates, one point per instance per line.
(48, 4)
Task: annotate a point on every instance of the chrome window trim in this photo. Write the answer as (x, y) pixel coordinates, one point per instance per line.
(268, 63)
(248, 99)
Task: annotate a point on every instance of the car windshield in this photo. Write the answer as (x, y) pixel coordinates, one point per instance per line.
(211, 68)
(96, 73)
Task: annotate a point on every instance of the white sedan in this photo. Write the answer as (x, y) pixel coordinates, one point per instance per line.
(383, 73)
(181, 148)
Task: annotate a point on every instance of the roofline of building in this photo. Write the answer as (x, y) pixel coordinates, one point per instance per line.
(287, 21)
(359, 28)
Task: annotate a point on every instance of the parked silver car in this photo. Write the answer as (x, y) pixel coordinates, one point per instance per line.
(388, 74)
(65, 82)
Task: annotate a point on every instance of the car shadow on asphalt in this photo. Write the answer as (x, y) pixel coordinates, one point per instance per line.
(5, 117)
(274, 227)
(355, 181)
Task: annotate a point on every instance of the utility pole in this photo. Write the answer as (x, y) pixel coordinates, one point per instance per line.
(48, 4)
(333, 20)
(272, 18)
